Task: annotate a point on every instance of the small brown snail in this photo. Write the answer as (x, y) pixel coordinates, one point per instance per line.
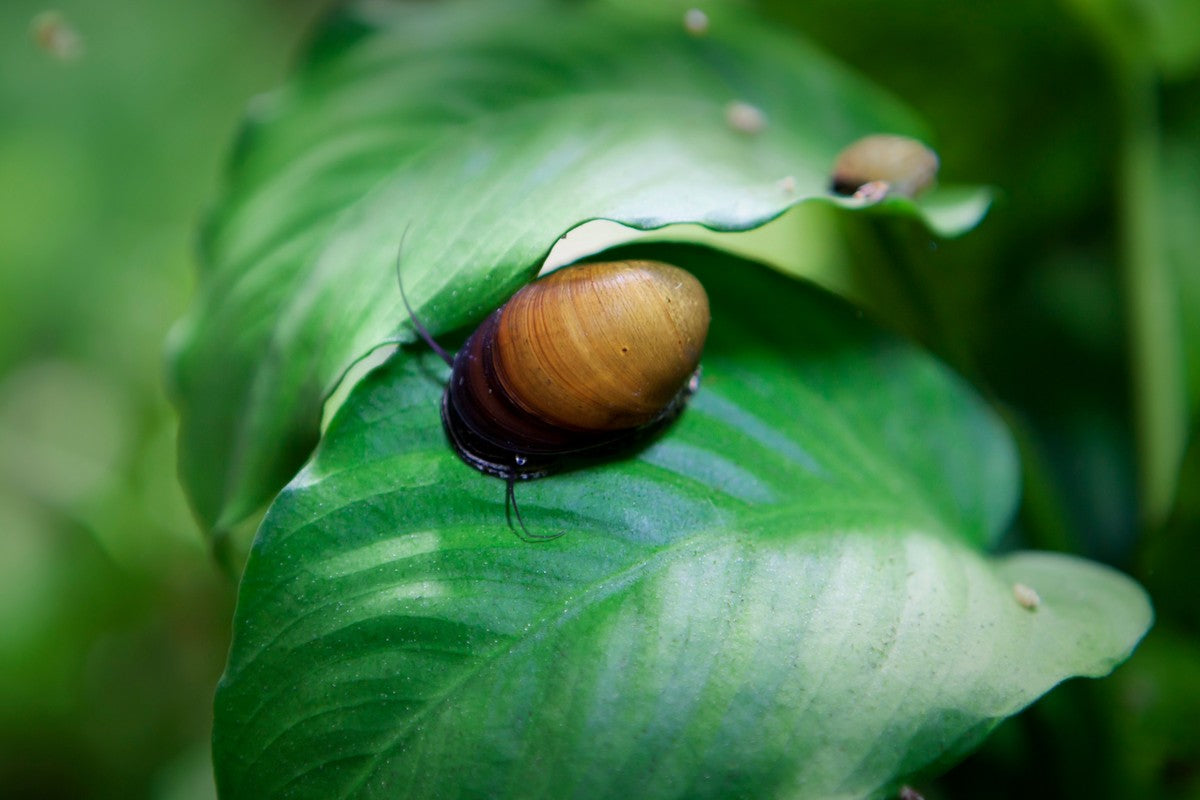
(587, 359)
(884, 164)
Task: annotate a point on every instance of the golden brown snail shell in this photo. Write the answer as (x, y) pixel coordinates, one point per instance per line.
(591, 356)
(888, 164)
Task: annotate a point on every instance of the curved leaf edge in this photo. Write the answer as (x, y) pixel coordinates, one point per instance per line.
(930, 212)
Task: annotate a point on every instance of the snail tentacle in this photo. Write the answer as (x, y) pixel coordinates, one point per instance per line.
(510, 505)
(422, 331)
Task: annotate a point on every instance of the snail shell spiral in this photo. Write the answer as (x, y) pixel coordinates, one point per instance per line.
(591, 356)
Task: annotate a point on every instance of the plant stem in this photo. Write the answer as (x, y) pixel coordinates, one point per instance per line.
(1159, 397)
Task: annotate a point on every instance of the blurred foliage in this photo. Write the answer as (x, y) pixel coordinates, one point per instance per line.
(114, 622)
(1086, 115)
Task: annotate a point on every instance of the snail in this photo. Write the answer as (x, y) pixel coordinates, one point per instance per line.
(884, 164)
(586, 360)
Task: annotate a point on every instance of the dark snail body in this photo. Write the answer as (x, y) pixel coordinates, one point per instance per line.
(589, 358)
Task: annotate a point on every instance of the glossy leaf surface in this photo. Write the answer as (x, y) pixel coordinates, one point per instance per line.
(485, 130)
(783, 596)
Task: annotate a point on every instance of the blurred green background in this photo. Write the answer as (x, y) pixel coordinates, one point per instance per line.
(1084, 113)
(113, 621)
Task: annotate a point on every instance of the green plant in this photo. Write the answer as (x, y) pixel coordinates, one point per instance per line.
(791, 593)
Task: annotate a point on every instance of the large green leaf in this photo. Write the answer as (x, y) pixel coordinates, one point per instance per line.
(486, 130)
(783, 596)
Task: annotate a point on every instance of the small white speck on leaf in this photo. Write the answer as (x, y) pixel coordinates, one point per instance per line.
(745, 118)
(787, 184)
(695, 22)
(1026, 596)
